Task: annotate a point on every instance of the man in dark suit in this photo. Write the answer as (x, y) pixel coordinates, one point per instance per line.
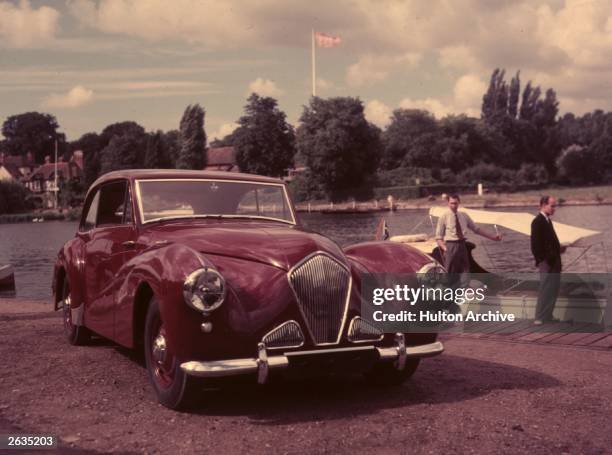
(547, 252)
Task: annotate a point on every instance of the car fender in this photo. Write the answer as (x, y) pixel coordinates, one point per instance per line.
(387, 257)
(164, 271)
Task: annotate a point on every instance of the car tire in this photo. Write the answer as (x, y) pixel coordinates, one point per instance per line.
(77, 335)
(174, 389)
(385, 374)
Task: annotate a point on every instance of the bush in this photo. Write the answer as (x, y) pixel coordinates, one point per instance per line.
(73, 214)
(12, 197)
(303, 188)
(404, 176)
(579, 165)
(530, 173)
(487, 173)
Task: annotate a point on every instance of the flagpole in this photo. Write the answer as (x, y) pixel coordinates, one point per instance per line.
(314, 87)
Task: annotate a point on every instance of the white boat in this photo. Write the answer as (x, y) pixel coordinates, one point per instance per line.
(517, 293)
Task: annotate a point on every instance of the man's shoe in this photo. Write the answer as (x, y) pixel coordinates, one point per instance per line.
(553, 320)
(538, 322)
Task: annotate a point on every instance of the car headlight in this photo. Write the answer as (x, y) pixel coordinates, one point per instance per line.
(431, 274)
(204, 290)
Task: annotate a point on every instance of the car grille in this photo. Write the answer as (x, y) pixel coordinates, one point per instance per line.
(287, 335)
(321, 285)
(361, 331)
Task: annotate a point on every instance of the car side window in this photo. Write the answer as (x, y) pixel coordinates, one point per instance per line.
(89, 221)
(111, 207)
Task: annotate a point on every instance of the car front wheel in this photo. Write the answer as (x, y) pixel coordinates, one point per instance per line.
(174, 389)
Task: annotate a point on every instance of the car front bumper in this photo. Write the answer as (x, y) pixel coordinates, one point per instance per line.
(263, 363)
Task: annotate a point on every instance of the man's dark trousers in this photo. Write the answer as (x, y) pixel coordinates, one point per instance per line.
(550, 280)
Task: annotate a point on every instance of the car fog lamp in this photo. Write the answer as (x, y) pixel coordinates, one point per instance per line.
(204, 290)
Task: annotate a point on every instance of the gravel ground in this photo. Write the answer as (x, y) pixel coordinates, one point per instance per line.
(478, 397)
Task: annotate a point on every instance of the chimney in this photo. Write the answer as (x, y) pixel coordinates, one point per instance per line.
(29, 158)
(47, 159)
(77, 158)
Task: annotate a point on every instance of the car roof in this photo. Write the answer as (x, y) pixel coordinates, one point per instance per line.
(143, 174)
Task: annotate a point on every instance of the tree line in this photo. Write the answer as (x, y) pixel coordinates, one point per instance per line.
(519, 138)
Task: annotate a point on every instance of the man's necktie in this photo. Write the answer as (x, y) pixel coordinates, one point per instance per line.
(458, 227)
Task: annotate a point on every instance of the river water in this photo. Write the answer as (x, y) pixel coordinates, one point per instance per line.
(32, 247)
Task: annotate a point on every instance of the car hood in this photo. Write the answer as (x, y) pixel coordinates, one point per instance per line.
(270, 243)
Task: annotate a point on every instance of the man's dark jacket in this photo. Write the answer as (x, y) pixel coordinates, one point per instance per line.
(545, 244)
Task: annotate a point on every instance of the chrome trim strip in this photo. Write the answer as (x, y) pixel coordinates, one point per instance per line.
(346, 303)
(263, 338)
(330, 351)
(284, 187)
(231, 367)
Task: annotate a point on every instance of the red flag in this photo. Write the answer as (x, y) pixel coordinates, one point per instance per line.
(324, 40)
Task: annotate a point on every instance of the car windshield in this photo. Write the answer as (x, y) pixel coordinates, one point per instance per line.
(182, 198)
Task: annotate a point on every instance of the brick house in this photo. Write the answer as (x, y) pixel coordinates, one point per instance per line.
(221, 159)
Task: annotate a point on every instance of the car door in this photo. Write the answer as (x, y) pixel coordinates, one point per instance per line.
(108, 246)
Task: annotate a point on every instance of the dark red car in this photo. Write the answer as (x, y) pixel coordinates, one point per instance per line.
(213, 275)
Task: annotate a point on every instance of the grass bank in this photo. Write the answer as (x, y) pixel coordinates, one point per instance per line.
(590, 195)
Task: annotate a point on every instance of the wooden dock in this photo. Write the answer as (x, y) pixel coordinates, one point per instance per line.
(583, 335)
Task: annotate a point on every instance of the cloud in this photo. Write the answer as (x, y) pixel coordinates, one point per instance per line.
(466, 99)
(433, 105)
(24, 27)
(377, 112)
(264, 87)
(371, 69)
(467, 94)
(223, 130)
(456, 57)
(75, 97)
(324, 84)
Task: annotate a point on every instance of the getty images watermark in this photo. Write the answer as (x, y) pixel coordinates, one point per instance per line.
(474, 302)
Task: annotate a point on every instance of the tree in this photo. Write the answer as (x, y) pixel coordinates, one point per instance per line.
(124, 146)
(154, 152)
(529, 101)
(513, 95)
(121, 129)
(495, 100)
(32, 132)
(91, 144)
(405, 129)
(122, 152)
(264, 141)
(192, 139)
(339, 146)
(172, 147)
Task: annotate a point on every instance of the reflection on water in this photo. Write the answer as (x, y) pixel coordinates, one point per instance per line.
(32, 247)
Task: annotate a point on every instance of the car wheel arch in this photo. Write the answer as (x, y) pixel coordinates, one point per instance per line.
(142, 298)
(58, 285)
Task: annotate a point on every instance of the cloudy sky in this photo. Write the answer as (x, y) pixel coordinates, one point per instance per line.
(91, 63)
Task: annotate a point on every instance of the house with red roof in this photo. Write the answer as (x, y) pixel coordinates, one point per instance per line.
(16, 167)
(41, 181)
(221, 159)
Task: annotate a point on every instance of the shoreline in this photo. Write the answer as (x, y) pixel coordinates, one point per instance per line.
(422, 204)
